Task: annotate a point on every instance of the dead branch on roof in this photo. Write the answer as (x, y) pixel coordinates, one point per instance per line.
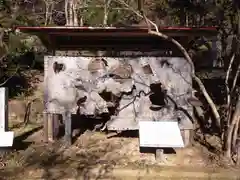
(140, 13)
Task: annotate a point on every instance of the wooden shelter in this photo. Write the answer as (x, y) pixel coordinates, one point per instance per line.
(73, 48)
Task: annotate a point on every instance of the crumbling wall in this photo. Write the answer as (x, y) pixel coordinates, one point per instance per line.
(130, 87)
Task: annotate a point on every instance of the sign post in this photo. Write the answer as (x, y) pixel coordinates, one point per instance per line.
(6, 137)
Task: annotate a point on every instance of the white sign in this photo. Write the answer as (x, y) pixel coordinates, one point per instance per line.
(160, 134)
(6, 138)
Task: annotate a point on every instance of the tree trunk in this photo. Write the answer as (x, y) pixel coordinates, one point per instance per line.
(106, 11)
(187, 20)
(66, 12)
(81, 21)
(228, 143)
(71, 22)
(75, 14)
(46, 14)
(51, 16)
(235, 134)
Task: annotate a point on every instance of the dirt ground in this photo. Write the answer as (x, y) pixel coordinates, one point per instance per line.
(97, 155)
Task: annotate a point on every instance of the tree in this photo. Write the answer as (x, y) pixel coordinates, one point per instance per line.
(232, 133)
(12, 44)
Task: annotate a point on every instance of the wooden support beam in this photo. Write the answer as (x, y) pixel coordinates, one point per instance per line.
(187, 137)
(159, 156)
(45, 126)
(68, 128)
(50, 128)
(55, 126)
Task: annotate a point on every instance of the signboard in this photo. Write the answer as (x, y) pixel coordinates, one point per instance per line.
(160, 134)
(6, 137)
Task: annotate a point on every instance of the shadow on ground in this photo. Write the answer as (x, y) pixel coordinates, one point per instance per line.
(89, 156)
(19, 144)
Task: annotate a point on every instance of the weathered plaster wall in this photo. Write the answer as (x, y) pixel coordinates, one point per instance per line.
(86, 77)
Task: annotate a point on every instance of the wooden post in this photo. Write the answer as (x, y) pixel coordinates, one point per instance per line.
(50, 127)
(238, 151)
(68, 128)
(55, 126)
(159, 155)
(45, 126)
(187, 137)
(49, 117)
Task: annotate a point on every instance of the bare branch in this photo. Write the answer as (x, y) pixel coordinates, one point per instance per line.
(227, 78)
(187, 57)
(235, 79)
(66, 12)
(138, 14)
(230, 131)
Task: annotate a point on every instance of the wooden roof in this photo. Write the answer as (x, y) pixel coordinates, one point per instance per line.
(70, 38)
